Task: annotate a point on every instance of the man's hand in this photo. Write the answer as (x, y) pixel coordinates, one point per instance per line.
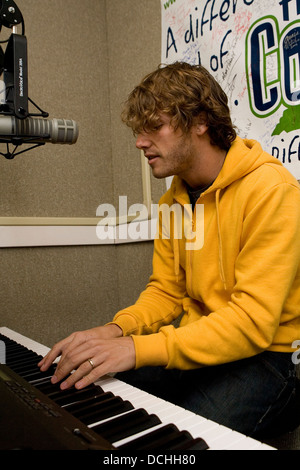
(90, 354)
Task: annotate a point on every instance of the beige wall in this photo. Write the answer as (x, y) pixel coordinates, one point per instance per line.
(84, 57)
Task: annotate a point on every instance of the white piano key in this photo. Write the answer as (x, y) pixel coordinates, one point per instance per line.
(217, 437)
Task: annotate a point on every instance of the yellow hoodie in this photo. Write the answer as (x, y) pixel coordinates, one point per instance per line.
(239, 291)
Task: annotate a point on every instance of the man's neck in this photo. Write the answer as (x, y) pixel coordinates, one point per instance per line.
(207, 170)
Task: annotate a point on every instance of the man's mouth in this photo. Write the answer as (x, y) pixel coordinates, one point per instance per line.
(151, 158)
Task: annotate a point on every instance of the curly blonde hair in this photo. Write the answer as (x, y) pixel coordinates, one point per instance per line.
(184, 92)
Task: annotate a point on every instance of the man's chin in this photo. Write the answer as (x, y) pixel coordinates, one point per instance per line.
(160, 174)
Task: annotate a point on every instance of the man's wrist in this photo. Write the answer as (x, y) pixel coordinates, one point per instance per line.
(114, 330)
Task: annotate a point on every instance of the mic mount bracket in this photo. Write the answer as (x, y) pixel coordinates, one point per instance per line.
(10, 15)
(17, 141)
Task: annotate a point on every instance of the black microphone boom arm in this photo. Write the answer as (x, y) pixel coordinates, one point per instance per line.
(15, 77)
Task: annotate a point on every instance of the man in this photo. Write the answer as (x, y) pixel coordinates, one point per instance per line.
(239, 289)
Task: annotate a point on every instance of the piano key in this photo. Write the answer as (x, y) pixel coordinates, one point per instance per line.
(19, 356)
(164, 438)
(23, 367)
(190, 444)
(25, 363)
(197, 426)
(46, 386)
(126, 425)
(66, 397)
(36, 374)
(101, 410)
(88, 402)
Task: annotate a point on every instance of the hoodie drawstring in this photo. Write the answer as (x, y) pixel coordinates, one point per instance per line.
(221, 266)
(176, 259)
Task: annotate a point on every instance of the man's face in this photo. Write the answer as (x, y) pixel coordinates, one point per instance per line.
(169, 152)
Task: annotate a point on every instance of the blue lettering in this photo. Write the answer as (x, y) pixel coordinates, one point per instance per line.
(222, 54)
(189, 34)
(173, 43)
(203, 22)
(285, 9)
(214, 61)
(292, 150)
(224, 10)
(290, 60)
(212, 16)
(262, 41)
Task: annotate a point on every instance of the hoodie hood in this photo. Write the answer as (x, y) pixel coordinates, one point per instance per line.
(243, 157)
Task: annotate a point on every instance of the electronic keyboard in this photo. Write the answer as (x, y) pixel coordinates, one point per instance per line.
(108, 415)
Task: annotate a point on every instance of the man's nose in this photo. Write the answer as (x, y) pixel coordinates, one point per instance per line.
(142, 141)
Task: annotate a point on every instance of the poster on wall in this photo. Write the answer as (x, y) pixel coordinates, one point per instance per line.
(252, 47)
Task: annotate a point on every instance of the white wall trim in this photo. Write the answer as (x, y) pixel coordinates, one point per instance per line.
(70, 235)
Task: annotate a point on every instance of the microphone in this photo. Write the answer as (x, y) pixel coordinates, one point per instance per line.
(37, 130)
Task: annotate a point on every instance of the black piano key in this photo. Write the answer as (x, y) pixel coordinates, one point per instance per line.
(18, 365)
(74, 396)
(90, 405)
(160, 439)
(151, 439)
(10, 343)
(57, 392)
(33, 361)
(126, 425)
(181, 441)
(191, 444)
(19, 356)
(13, 347)
(25, 366)
(87, 403)
(46, 386)
(104, 410)
(37, 374)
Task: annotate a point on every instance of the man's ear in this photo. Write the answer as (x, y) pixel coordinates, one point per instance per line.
(201, 123)
(201, 128)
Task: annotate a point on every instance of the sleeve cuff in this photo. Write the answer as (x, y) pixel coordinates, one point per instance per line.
(151, 350)
(127, 323)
